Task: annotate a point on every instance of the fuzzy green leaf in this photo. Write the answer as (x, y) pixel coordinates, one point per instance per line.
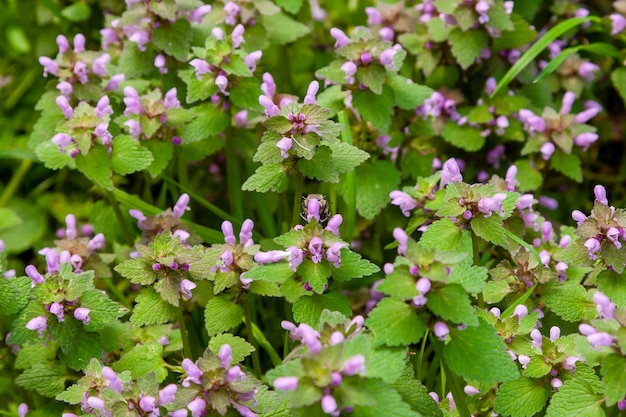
(374, 181)
(14, 294)
(316, 274)
(399, 284)
(128, 156)
(245, 94)
(452, 303)
(143, 359)
(276, 272)
(408, 94)
(240, 348)
(352, 266)
(85, 346)
(174, 38)
(47, 378)
(198, 89)
(375, 108)
(415, 394)
(152, 309)
(221, 315)
(309, 309)
(96, 166)
(614, 286)
(320, 167)
(464, 137)
(211, 120)
(569, 301)
(103, 310)
(395, 323)
(467, 46)
(442, 235)
(579, 396)
(282, 29)
(162, 153)
(568, 165)
(491, 229)
(524, 397)
(618, 77)
(478, 353)
(387, 402)
(614, 378)
(346, 157)
(268, 177)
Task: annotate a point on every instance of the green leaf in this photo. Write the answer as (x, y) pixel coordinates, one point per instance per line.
(268, 177)
(104, 311)
(141, 360)
(372, 76)
(162, 153)
(163, 8)
(569, 301)
(399, 284)
(374, 180)
(599, 48)
(352, 266)
(47, 378)
(85, 346)
(48, 153)
(375, 108)
(529, 56)
(96, 166)
(210, 121)
(528, 178)
(174, 39)
(14, 293)
(198, 89)
(446, 6)
(568, 165)
(128, 156)
(477, 353)
(316, 274)
(442, 235)
(346, 157)
(452, 303)
(613, 285)
(291, 6)
(537, 367)
(276, 272)
(386, 402)
(415, 394)
(614, 378)
(32, 353)
(613, 257)
(396, 323)
(73, 395)
(472, 278)
(522, 398)
(491, 229)
(464, 137)
(309, 309)
(221, 315)
(152, 309)
(240, 348)
(408, 94)
(77, 12)
(236, 66)
(320, 167)
(522, 34)
(245, 94)
(282, 29)
(467, 46)
(133, 62)
(618, 77)
(579, 396)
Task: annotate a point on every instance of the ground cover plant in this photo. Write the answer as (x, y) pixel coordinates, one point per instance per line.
(289, 208)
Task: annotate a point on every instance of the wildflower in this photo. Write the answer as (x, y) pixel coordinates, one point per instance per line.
(82, 314)
(441, 330)
(193, 373)
(39, 323)
(450, 172)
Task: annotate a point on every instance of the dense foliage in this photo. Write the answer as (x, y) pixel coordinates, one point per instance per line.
(408, 208)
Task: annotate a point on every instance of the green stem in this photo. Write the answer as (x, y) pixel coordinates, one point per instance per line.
(266, 345)
(130, 239)
(452, 380)
(15, 181)
(476, 253)
(420, 358)
(184, 334)
(350, 196)
(256, 360)
(183, 176)
(297, 199)
(233, 173)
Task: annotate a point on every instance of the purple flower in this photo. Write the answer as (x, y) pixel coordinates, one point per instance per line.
(99, 65)
(349, 68)
(584, 140)
(147, 403)
(555, 333)
(285, 144)
(167, 394)
(354, 365)
(386, 34)
(79, 43)
(340, 37)
(237, 36)
(423, 285)
(197, 407)
(113, 381)
(600, 339)
(114, 82)
(333, 254)
(65, 107)
(198, 14)
(49, 66)
(271, 109)
(537, 338)
(613, 234)
(34, 275)
(80, 70)
(295, 257)
(488, 205)
(95, 402)
(225, 355)
(579, 216)
(592, 108)
(245, 235)
(403, 240)
(222, 83)
(309, 337)
(57, 310)
(450, 172)
(252, 58)
(547, 149)
(134, 128)
(567, 102)
(62, 141)
(181, 205)
(604, 306)
(201, 66)
(373, 16)
(329, 404)
(82, 314)
(386, 58)
(193, 373)
(185, 288)
(316, 249)
(334, 223)
(520, 311)
(22, 410)
(618, 23)
(38, 323)
(586, 71)
(229, 234)
(62, 43)
(232, 10)
(470, 390)
(171, 100)
(600, 194)
(65, 88)
(52, 262)
(441, 330)
(103, 107)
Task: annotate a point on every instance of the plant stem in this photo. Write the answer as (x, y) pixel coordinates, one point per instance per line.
(184, 335)
(15, 181)
(256, 360)
(130, 239)
(350, 213)
(233, 177)
(297, 199)
(476, 253)
(117, 293)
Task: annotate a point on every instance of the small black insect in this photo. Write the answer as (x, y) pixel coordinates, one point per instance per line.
(324, 213)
